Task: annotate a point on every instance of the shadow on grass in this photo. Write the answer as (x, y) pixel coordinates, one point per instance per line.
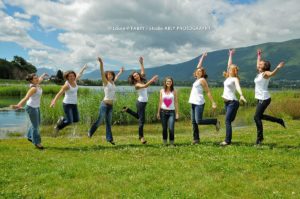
(270, 146)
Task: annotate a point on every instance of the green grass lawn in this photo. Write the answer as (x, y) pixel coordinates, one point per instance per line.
(78, 167)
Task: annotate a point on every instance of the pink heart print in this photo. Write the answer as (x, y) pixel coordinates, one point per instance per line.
(168, 101)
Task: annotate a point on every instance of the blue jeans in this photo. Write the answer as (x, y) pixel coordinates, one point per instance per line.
(105, 111)
(35, 119)
(197, 114)
(259, 115)
(231, 110)
(167, 119)
(140, 115)
(71, 115)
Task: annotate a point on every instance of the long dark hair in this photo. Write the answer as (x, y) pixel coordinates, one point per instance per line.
(132, 81)
(267, 65)
(165, 85)
(30, 77)
(112, 73)
(67, 73)
(204, 75)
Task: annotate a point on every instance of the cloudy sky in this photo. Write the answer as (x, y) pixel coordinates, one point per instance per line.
(68, 33)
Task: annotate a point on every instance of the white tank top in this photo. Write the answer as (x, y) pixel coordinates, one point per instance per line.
(167, 101)
(35, 100)
(261, 87)
(109, 91)
(196, 96)
(143, 95)
(229, 89)
(71, 94)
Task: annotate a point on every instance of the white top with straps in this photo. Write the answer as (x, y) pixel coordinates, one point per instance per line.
(261, 87)
(229, 89)
(71, 94)
(35, 100)
(109, 91)
(167, 101)
(143, 95)
(196, 96)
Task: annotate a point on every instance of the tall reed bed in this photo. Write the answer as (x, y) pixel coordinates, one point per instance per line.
(285, 103)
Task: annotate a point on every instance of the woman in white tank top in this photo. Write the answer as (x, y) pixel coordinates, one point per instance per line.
(138, 80)
(70, 89)
(168, 110)
(263, 96)
(32, 100)
(197, 101)
(231, 85)
(106, 107)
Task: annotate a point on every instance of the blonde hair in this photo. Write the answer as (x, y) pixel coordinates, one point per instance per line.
(234, 69)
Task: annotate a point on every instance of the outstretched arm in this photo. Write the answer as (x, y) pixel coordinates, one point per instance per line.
(141, 60)
(22, 102)
(42, 77)
(140, 85)
(269, 74)
(81, 72)
(239, 90)
(63, 89)
(259, 51)
(231, 52)
(121, 71)
(207, 90)
(103, 77)
(201, 60)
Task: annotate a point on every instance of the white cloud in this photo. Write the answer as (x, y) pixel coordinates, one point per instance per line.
(21, 15)
(86, 32)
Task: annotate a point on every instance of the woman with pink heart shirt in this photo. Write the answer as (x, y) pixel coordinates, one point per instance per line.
(197, 100)
(168, 110)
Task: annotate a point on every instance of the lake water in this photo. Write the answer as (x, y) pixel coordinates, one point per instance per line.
(11, 121)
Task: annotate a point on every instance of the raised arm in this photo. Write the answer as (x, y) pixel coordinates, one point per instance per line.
(201, 60)
(231, 52)
(259, 51)
(140, 85)
(207, 90)
(239, 90)
(269, 74)
(103, 77)
(120, 72)
(141, 60)
(31, 91)
(42, 77)
(63, 89)
(81, 72)
(159, 105)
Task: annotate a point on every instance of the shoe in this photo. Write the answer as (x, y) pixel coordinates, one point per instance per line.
(165, 142)
(224, 143)
(89, 135)
(195, 142)
(259, 141)
(30, 140)
(58, 123)
(39, 146)
(112, 142)
(281, 122)
(143, 141)
(124, 109)
(218, 126)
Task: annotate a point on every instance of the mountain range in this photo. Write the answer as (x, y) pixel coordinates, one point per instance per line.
(216, 62)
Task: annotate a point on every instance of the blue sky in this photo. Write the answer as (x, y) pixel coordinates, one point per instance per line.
(71, 33)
